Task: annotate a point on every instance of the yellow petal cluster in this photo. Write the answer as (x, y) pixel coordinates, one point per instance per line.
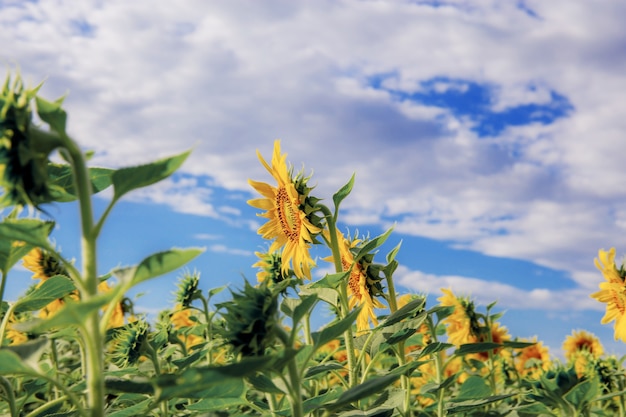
(287, 224)
(612, 292)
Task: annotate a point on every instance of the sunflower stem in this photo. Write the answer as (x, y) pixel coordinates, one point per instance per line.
(91, 333)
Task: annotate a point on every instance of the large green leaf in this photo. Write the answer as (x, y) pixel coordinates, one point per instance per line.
(32, 231)
(334, 330)
(10, 253)
(28, 353)
(155, 265)
(134, 410)
(51, 289)
(73, 313)
(371, 386)
(192, 380)
(372, 244)
(62, 181)
(11, 364)
(132, 178)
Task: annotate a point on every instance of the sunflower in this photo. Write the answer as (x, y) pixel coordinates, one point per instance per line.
(24, 149)
(499, 334)
(580, 340)
(45, 265)
(461, 325)
(270, 268)
(612, 292)
(286, 208)
(181, 321)
(533, 360)
(362, 287)
(117, 318)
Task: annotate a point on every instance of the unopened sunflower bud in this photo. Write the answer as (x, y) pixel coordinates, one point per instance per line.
(187, 288)
(130, 343)
(24, 149)
(250, 320)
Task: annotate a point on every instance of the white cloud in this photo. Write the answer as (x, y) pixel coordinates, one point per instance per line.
(151, 79)
(218, 248)
(507, 296)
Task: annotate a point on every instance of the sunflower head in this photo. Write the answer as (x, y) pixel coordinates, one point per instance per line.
(532, 361)
(24, 150)
(43, 264)
(187, 289)
(250, 319)
(291, 224)
(271, 268)
(612, 292)
(581, 340)
(462, 325)
(130, 343)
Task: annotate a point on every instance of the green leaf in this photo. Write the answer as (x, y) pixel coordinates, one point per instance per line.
(155, 265)
(62, 181)
(308, 302)
(132, 178)
(29, 352)
(434, 348)
(51, 289)
(331, 280)
(72, 314)
(473, 388)
(318, 401)
(372, 244)
(195, 379)
(410, 309)
(517, 345)
(10, 254)
(139, 386)
(263, 383)
(371, 386)
(467, 405)
(476, 348)
(52, 113)
(343, 192)
(216, 404)
(133, 410)
(583, 393)
(328, 295)
(322, 369)
(335, 330)
(12, 364)
(32, 231)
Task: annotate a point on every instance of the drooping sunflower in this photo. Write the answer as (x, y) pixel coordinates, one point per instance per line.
(462, 325)
(45, 265)
(24, 149)
(612, 292)
(362, 286)
(533, 360)
(289, 215)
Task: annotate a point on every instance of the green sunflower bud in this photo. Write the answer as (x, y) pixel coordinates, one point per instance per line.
(250, 320)
(130, 343)
(24, 149)
(187, 289)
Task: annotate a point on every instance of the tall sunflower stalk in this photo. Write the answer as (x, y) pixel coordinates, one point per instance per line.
(25, 153)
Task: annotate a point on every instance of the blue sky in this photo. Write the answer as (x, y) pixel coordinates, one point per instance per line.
(489, 132)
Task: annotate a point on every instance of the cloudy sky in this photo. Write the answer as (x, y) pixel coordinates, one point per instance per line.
(490, 132)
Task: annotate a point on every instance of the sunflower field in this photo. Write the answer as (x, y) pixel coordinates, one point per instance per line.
(72, 344)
